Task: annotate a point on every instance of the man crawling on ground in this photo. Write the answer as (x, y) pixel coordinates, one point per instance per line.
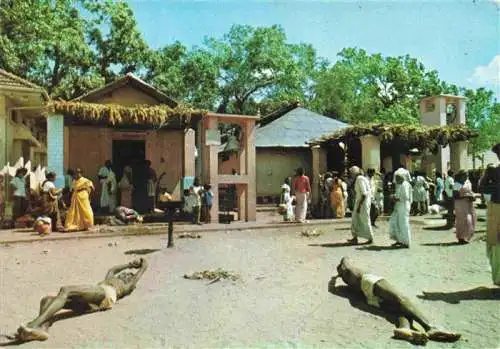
(381, 294)
(84, 299)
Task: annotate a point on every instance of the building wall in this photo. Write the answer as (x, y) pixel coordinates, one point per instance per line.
(274, 164)
(489, 158)
(226, 167)
(89, 147)
(126, 96)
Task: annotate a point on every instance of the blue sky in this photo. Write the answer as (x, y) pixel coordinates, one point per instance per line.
(458, 38)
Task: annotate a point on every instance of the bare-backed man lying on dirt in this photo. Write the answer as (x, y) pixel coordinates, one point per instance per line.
(84, 299)
(379, 293)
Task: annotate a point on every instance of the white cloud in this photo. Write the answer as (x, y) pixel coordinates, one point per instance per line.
(487, 74)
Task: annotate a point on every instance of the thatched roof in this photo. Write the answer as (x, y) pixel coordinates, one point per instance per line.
(113, 114)
(413, 136)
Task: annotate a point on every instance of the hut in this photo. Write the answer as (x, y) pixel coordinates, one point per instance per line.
(129, 121)
(281, 141)
(22, 130)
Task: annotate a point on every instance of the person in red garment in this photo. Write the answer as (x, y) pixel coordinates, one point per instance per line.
(302, 189)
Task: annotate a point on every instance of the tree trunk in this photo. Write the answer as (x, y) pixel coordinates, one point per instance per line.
(223, 106)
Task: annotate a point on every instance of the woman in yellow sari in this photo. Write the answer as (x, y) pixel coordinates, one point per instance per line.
(337, 199)
(80, 215)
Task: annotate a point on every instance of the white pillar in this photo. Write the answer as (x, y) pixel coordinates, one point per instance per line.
(3, 131)
(370, 152)
(55, 147)
(315, 185)
(458, 156)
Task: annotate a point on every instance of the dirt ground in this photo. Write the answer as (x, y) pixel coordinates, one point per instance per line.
(282, 300)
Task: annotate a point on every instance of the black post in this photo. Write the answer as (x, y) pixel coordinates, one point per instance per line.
(170, 243)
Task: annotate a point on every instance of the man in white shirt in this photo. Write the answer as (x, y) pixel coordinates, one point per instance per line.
(18, 185)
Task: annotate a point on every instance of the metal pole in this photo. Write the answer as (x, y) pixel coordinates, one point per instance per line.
(170, 242)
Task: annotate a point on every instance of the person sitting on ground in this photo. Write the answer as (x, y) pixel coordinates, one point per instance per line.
(127, 215)
(381, 294)
(84, 299)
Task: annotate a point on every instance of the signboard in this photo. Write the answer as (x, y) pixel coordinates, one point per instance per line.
(212, 137)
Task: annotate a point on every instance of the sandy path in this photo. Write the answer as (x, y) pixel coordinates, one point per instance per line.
(282, 301)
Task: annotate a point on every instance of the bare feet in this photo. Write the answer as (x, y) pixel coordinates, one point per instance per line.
(27, 334)
(442, 336)
(412, 336)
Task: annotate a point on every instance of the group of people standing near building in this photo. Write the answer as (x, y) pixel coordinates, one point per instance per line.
(198, 201)
(296, 189)
(136, 188)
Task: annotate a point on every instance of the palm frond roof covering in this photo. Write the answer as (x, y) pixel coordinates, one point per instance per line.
(114, 114)
(413, 136)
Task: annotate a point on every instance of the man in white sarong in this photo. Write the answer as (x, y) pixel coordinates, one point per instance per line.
(103, 175)
(360, 223)
(399, 224)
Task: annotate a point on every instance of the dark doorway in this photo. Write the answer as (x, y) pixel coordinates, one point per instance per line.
(131, 153)
(354, 153)
(335, 158)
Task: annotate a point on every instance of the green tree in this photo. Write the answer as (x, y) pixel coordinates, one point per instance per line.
(188, 76)
(256, 62)
(44, 41)
(482, 115)
(371, 88)
(118, 44)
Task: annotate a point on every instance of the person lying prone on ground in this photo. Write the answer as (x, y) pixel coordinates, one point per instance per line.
(127, 215)
(84, 299)
(381, 294)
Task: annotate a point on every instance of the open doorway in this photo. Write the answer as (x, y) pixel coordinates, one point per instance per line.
(128, 153)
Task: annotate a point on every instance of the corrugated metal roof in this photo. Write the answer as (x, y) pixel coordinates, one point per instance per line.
(295, 128)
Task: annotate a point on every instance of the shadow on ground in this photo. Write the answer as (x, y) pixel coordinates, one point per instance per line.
(478, 293)
(333, 244)
(143, 251)
(379, 248)
(437, 228)
(443, 244)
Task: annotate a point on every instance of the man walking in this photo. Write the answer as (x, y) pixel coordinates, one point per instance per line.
(360, 222)
(490, 184)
